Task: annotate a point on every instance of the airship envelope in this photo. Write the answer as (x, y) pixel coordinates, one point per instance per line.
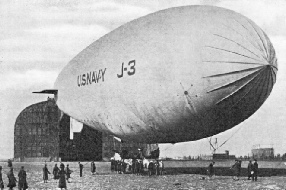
(180, 74)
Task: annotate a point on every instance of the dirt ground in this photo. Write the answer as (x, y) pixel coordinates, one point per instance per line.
(108, 180)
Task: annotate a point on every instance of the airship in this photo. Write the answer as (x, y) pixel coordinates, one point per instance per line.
(176, 75)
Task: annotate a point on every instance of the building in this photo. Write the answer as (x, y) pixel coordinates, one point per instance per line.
(223, 156)
(36, 132)
(42, 133)
(262, 153)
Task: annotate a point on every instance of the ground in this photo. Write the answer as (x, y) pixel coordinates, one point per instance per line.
(107, 180)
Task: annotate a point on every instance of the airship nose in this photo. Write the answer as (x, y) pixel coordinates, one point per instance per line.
(243, 73)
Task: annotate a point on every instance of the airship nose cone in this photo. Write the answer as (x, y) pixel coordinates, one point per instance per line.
(243, 73)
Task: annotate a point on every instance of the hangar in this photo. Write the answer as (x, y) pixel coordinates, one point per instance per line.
(43, 133)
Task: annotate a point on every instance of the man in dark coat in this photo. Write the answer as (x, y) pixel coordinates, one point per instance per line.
(93, 168)
(80, 169)
(62, 177)
(68, 173)
(10, 163)
(1, 179)
(236, 168)
(239, 168)
(211, 169)
(46, 174)
(11, 178)
(22, 183)
(255, 171)
(133, 165)
(150, 168)
(56, 172)
(141, 167)
(161, 166)
(112, 165)
(249, 169)
(157, 167)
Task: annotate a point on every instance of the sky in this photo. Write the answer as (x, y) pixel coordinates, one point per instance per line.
(38, 38)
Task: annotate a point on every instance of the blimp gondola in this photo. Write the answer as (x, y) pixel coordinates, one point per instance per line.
(176, 75)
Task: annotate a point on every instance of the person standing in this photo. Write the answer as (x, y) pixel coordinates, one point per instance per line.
(150, 168)
(133, 165)
(112, 165)
(161, 167)
(80, 169)
(141, 166)
(255, 171)
(157, 167)
(93, 168)
(249, 169)
(56, 172)
(46, 174)
(11, 178)
(211, 169)
(1, 179)
(68, 173)
(62, 177)
(239, 168)
(10, 163)
(22, 183)
(235, 167)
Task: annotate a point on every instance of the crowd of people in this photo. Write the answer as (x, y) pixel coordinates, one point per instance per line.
(62, 174)
(137, 167)
(12, 181)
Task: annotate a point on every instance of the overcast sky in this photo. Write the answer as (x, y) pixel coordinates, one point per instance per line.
(38, 38)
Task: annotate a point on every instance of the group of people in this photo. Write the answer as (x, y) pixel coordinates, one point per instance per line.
(62, 174)
(252, 169)
(155, 168)
(137, 167)
(12, 181)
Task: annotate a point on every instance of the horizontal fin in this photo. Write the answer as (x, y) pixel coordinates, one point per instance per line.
(48, 91)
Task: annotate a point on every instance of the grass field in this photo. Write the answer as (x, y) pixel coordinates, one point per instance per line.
(108, 180)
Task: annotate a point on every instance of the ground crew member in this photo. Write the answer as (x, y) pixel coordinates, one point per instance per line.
(249, 169)
(161, 166)
(157, 167)
(235, 168)
(68, 173)
(22, 183)
(150, 168)
(11, 178)
(93, 168)
(62, 177)
(56, 172)
(141, 166)
(10, 163)
(211, 169)
(1, 179)
(239, 168)
(255, 170)
(46, 174)
(80, 169)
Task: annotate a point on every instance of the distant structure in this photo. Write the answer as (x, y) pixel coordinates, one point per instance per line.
(217, 156)
(42, 133)
(223, 156)
(262, 152)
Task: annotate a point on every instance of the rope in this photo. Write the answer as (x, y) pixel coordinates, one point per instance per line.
(230, 136)
(225, 140)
